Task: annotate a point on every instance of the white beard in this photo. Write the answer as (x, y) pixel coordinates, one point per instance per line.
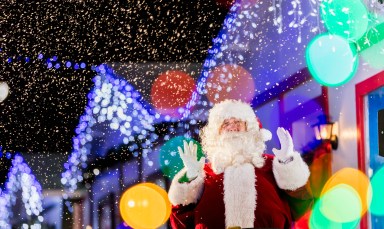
(236, 148)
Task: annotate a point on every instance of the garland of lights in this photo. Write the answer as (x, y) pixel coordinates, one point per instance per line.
(21, 178)
(233, 21)
(51, 62)
(115, 101)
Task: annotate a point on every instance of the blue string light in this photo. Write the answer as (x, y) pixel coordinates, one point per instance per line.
(50, 61)
(76, 66)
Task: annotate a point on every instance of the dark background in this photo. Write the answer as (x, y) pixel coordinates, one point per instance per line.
(42, 110)
(43, 107)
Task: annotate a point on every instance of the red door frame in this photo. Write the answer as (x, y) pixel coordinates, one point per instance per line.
(362, 89)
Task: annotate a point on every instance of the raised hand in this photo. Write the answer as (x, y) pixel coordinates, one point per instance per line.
(286, 143)
(189, 157)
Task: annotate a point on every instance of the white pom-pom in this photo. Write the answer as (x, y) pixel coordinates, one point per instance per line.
(266, 134)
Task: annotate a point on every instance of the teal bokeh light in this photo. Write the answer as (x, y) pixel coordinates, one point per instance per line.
(346, 18)
(331, 59)
(377, 182)
(170, 160)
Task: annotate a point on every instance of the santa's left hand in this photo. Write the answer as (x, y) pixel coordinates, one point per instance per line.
(286, 152)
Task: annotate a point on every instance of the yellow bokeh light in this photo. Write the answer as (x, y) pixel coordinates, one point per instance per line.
(145, 206)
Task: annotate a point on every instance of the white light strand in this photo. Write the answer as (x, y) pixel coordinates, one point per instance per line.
(300, 18)
(276, 8)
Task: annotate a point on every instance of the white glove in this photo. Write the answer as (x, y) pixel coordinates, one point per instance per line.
(286, 152)
(189, 157)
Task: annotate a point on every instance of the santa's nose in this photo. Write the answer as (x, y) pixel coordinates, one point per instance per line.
(232, 127)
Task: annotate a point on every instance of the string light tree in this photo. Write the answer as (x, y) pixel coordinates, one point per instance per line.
(120, 111)
(20, 178)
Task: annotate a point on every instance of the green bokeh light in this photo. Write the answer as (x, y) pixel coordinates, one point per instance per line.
(377, 182)
(341, 204)
(340, 207)
(346, 18)
(331, 59)
(170, 160)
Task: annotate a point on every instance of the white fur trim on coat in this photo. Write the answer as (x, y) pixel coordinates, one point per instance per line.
(240, 195)
(292, 175)
(186, 193)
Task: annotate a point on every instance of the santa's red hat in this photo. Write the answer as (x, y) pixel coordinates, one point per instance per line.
(236, 109)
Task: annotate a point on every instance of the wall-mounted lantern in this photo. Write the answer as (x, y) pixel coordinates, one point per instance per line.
(326, 130)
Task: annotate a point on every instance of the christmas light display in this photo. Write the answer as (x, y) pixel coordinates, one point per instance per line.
(114, 101)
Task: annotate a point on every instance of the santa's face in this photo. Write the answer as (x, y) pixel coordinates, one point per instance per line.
(233, 125)
(235, 145)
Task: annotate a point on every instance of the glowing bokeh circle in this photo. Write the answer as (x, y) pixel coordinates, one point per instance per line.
(331, 60)
(145, 206)
(346, 18)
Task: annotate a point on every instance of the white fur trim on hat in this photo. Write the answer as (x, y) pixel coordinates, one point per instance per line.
(186, 193)
(292, 175)
(232, 109)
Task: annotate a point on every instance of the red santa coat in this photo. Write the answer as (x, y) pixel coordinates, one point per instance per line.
(203, 206)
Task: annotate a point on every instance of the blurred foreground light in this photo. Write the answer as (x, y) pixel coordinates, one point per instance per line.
(4, 91)
(331, 59)
(145, 205)
(377, 207)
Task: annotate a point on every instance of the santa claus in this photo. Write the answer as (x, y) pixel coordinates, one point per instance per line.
(240, 187)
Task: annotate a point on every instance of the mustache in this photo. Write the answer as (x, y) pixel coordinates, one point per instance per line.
(233, 136)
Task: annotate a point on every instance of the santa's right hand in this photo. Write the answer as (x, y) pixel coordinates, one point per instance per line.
(189, 157)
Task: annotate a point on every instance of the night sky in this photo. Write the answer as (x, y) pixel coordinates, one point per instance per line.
(44, 105)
